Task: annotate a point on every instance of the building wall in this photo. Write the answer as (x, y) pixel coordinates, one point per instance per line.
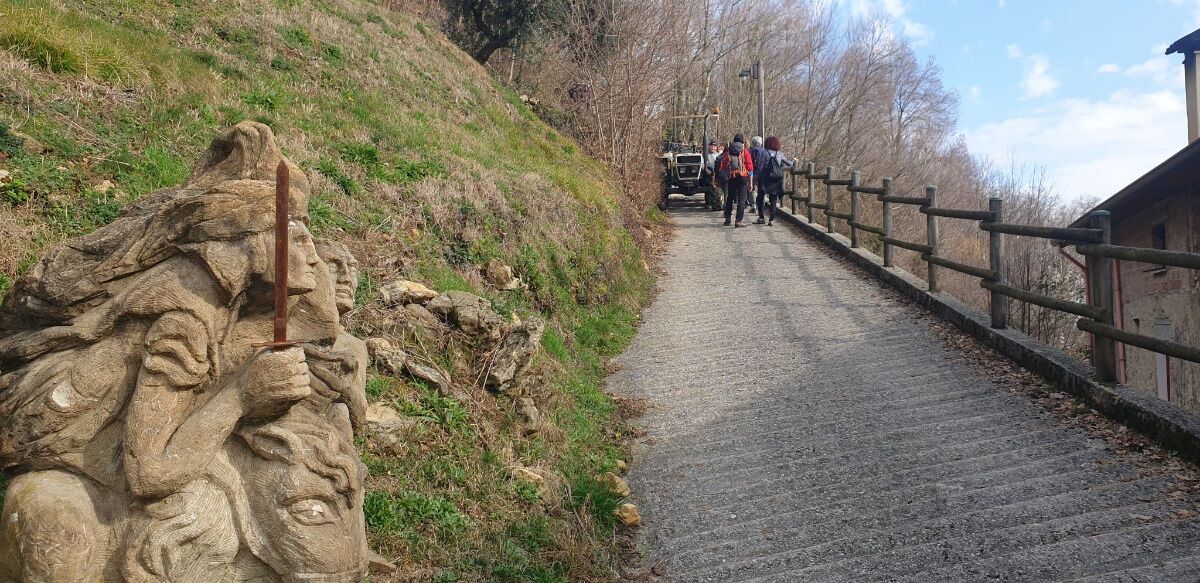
(1156, 300)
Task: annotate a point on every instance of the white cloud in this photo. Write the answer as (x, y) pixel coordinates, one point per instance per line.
(1107, 68)
(1037, 80)
(895, 10)
(1091, 147)
(1158, 69)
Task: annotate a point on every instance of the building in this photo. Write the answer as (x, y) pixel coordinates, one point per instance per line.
(1162, 210)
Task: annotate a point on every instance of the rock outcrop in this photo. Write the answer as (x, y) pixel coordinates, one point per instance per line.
(471, 314)
(512, 357)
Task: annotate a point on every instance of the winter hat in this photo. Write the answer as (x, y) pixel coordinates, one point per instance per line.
(739, 138)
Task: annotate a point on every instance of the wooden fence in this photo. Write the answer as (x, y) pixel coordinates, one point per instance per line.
(1094, 243)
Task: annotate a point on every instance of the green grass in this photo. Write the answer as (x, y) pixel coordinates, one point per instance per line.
(427, 169)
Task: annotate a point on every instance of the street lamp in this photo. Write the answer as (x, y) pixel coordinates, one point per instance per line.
(755, 72)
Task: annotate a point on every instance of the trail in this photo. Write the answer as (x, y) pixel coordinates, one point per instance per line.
(805, 424)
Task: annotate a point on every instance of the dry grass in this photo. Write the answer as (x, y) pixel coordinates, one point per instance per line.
(428, 170)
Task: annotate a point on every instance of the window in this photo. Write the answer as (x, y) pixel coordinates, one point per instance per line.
(1158, 236)
(1158, 240)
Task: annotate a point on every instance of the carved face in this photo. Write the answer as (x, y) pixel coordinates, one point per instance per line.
(305, 496)
(343, 269)
(302, 259)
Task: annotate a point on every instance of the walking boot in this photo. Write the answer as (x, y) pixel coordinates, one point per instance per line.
(726, 221)
(760, 221)
(738, 224)
(771, 223)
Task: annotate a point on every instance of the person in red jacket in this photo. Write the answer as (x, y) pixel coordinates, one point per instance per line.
(736, 169)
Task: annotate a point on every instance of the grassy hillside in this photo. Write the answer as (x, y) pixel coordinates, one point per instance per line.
(425, 167)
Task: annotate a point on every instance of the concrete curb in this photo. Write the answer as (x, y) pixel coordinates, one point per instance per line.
(1159, 420)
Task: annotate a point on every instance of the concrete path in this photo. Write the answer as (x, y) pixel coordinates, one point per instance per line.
(806, 425)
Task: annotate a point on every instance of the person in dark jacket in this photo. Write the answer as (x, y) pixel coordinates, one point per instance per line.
(770, 177)
(759, 154)
(735, 169)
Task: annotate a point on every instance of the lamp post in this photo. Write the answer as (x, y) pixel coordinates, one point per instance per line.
(755, 72)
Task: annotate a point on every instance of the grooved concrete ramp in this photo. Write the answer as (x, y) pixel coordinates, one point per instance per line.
(805, 425)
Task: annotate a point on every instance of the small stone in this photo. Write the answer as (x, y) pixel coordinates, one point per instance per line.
(428, 374)
(388, 359)
(103, 186)
(511, 360)
(497, 273)
(4, 174)
(628, 515)
(471, 314)
(419, 315)
(527, 476)
(403, 291)
(528, 411)
(380, 414)
(378, 564)
(615, 484)
(622, 466)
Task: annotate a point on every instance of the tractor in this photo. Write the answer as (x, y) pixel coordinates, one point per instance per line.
(684, 170)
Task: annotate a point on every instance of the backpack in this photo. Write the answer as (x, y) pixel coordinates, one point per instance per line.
(774, 170)
(733, 166)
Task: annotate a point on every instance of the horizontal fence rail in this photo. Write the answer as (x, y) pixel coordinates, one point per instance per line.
(1094, 242)
(1142, 255)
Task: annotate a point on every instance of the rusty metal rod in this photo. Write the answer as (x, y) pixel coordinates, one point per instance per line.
(281, 251)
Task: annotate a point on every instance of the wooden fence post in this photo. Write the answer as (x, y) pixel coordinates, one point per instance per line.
(887, 223)
(931, 235)
(795, 190)
(999, 302)
(812, 168)
(828, 198)
(853, 210)
(1100, 282)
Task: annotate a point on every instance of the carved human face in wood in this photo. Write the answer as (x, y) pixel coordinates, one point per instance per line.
(303, 260)
(343, 269)
(304, 488)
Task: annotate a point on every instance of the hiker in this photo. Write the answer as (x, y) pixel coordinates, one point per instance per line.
(759, 155)
(735, 169)
(718, 181)
(710, 158)
(712, 199)
(770, 178)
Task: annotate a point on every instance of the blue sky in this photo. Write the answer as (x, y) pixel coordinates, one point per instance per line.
(1079, 87)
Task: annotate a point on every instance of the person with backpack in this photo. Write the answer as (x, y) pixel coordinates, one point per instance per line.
(759, 154)
(736, 169)
(770, 178)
